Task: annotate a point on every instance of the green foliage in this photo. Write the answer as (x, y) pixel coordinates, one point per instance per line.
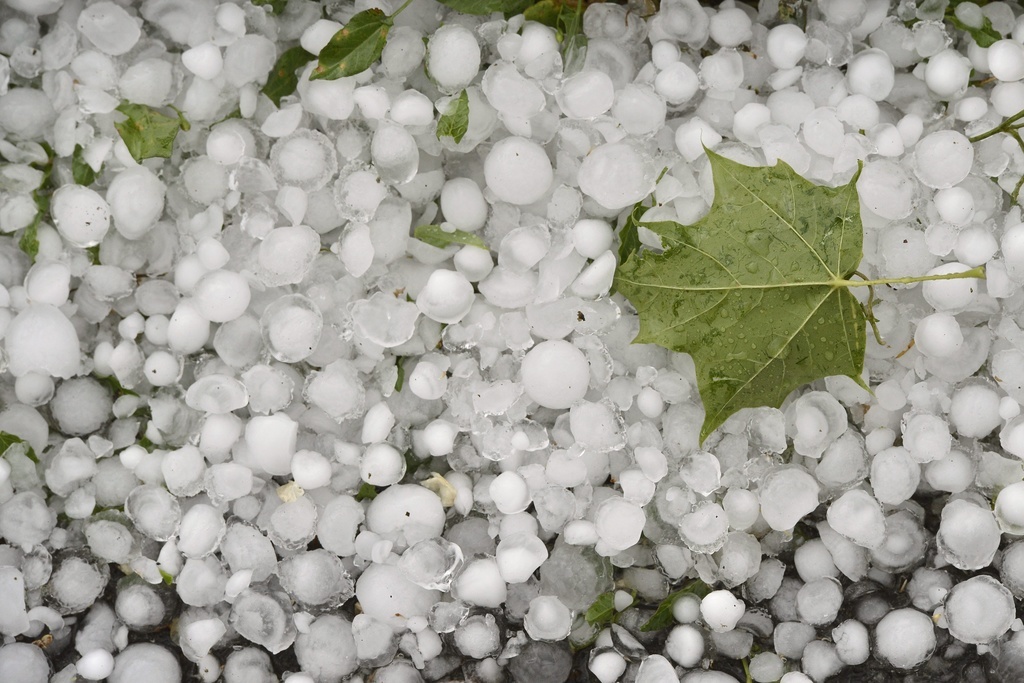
(400, 368)
(757, 291)
(435, 236)
(168, 579)
(355, 47)
(629, 236)
(662, 617)
(566, 17)
(8, 440)
(147, 133)
(603, 612)
(455, 122)
(283, 80)
(81, 172)
(508, 7)
(984, 35)
(366, 492)
(29, 241)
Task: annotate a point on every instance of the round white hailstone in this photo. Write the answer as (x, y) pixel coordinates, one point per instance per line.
(742, 508)
(95, 665)
(518, 171)
(664, 53)
(938, 335)
(730, 27)
(858, 516)
(968, 535)
(721, 610)
(26, 113)
(677, 83)
(886, 189)
(955, 205)
(1012, 246)
(271, 442)
(453, 57)
(109, 27)
(519, 555)
(510, 493)
(943, 159)
(974, 411)
(952, 474)
(23, 663)
(222, 296)
(947, 73)
(950, 296)
(586, 95)
(592, 237)
(34, 388)
(1010, 508)
(905, 638)
(480, 583)
(894, 475)
(814, 561)
(463, 204)
(619, 523)
(650, 402)
(406, 514)
(1006, 60)
(145, 662)
(686, 609)
(227, 144)
(548, 619)
(473, 262)
(162, 368)
(871, 73)
(685, 645)
(81, 406)
(311, 470)
(41, 339)
(80, 214)
(787, 495)
(385, 594)
(853, 643)
(607, 666)
(204, 60)
(766, 667)
(979, 610)
(382, 465)
(136, 200)
(786, 45)
(818, 602)
(555, 374)
(447, 296)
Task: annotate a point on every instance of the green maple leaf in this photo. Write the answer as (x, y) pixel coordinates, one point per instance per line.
(147, 133)
(354, 48)
(757, 292)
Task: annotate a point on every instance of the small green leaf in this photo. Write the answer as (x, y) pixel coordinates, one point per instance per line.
(355, 47)
(276, 6)
(629, 236)
(366, 492)
(7, 440)
(544, 12)
(81, 172)
(282, 80)
(400, 367)
(984, 36)
(94, 254)
(168, 579)
(603, 611)
(435, 236)
(455, 122)
(508, 7)
(662, 617)
(147, 133)
(29, 242)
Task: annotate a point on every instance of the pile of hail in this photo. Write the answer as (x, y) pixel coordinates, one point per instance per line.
(314, 368)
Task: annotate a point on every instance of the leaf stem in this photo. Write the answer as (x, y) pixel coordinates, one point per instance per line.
(978, 272)
(400, 9)
(1003, 127)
